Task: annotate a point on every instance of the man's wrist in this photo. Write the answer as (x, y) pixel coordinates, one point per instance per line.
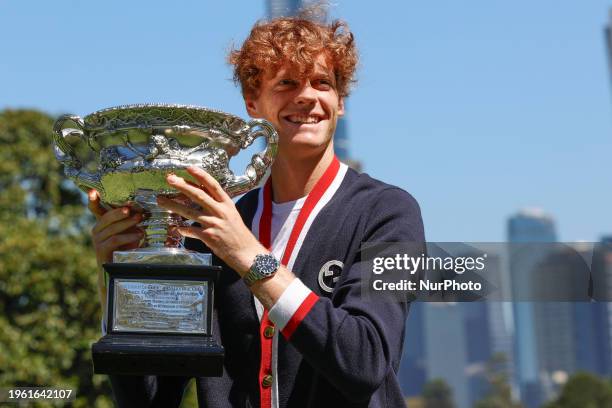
(269, 290)
(264, 267)
(245, 261)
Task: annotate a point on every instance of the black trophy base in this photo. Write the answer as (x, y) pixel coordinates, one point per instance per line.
(188, 356)
(125, 352)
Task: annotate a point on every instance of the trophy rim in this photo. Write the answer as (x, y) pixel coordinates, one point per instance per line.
(137, 106)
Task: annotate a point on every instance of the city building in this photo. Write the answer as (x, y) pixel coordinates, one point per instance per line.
(592, 319)
(562, 315)
(281, 8)
(447, 348)
(455, 341)
(412, 373)
(608, 38)
(526, 227)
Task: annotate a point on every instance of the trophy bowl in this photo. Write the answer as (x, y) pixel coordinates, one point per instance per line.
(137, 146)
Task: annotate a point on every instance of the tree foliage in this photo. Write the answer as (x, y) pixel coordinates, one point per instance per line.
(49, 310)
(584, 390)
(500, 393)
(437, 394)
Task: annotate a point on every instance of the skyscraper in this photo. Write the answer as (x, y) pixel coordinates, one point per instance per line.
(531, 225)
(608, 35)
(447, 351)
(280, 8)
(532, 344)
(455, 341)
(593, 320)
(412, 375)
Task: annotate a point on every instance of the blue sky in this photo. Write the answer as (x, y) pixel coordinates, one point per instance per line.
(478, 108)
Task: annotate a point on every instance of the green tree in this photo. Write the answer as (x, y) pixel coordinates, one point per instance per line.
(584, 390)
(49, 311)
(437, 394)
(500, 393)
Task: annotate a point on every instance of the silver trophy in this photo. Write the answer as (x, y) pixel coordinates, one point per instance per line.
(160, 288)
(138, 145)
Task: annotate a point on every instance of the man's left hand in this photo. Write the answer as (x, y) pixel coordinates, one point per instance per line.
(221, 226)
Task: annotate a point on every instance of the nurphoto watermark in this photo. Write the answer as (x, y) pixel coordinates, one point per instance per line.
(466, 272)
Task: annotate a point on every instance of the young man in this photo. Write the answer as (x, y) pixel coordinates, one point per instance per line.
(289, 310)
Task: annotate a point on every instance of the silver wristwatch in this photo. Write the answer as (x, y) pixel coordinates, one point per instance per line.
(264, 266)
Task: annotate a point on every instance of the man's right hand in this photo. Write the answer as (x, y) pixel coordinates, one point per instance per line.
(115, 229)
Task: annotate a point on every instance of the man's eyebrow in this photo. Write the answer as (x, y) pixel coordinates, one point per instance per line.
(286, 78)
(322, 75)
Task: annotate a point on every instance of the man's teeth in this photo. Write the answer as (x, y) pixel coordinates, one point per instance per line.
(303, 119)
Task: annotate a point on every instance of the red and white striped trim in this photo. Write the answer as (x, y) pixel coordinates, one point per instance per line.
(325, 198)
(291, 307)
(299, 315)
(292, 312)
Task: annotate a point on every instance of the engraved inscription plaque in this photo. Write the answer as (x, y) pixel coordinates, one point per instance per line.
(156, 305)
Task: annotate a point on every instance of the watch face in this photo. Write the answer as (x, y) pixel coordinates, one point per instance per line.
(266, 265)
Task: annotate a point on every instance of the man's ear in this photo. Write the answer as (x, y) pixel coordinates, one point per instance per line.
(340, 106)
(251, 107)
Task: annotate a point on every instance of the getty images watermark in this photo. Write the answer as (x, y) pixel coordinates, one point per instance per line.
(458, 271)
(412, 264)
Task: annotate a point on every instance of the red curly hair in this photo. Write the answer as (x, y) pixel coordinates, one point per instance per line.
(296, 42)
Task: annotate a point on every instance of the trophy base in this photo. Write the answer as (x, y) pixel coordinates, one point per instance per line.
(128, 354)
(162, 256)
(159, 321)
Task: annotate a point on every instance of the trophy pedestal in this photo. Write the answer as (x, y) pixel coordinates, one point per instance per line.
(157, 355)
(159, 322)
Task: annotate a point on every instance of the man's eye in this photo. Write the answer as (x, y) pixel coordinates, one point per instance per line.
(325, 83)
(286, 82)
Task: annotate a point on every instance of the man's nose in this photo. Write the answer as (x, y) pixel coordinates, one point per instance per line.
(306, 94)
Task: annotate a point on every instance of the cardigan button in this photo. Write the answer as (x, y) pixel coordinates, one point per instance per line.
(267, 381)
(269, 332)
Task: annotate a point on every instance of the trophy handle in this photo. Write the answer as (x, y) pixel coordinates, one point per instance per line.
(65, 153)
(260, 162)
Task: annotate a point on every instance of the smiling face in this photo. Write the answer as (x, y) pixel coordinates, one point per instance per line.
(304, 110)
